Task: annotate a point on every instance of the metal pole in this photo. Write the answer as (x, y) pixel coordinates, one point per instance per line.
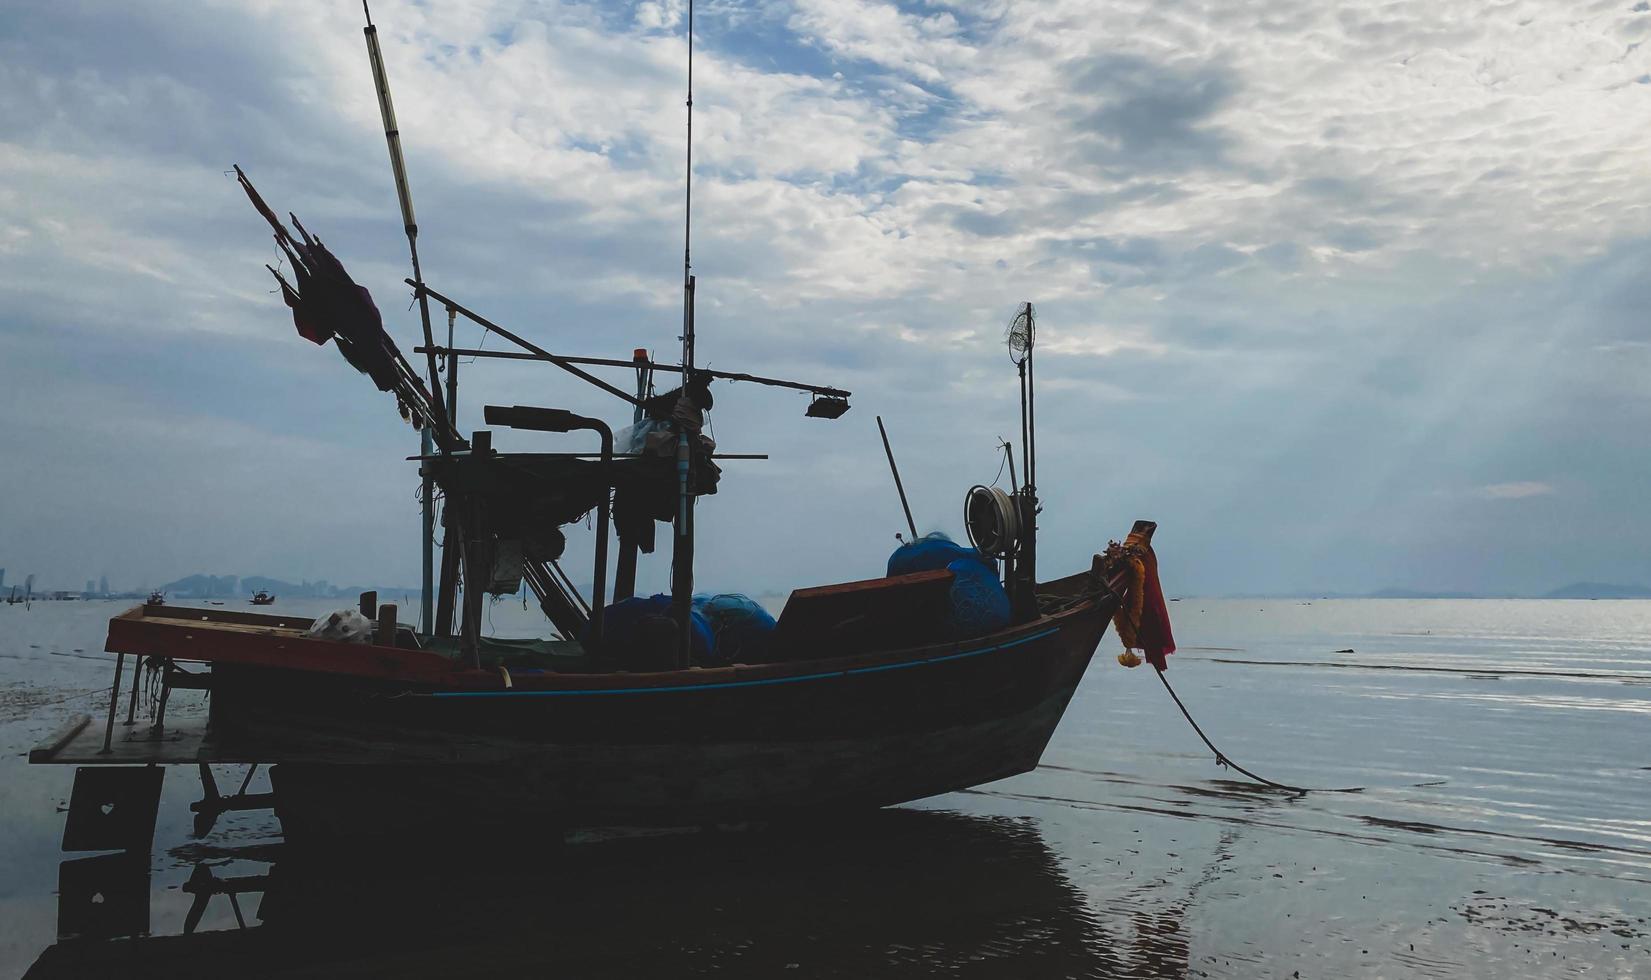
(682, 557)
(598, 600)
(898, 486)
(682, 552)
(427, 620)
(1026, 563)
(452, 372)
(559, 359)
(1031, 404)
(624, 582)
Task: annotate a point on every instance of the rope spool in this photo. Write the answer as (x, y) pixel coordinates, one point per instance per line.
(992, 520)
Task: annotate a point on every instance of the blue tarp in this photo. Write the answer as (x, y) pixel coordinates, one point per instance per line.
(978, 603)
(928, 553)
(631, 626)
(741, 629)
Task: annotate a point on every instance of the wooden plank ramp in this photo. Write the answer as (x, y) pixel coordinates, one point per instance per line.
(80, 743)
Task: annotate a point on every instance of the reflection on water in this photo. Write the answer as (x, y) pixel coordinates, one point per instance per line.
(910, 893)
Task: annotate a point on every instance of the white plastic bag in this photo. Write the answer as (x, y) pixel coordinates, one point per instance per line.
(343, 626)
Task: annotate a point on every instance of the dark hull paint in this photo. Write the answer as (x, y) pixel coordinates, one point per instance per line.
(822, 740)
(666, 785)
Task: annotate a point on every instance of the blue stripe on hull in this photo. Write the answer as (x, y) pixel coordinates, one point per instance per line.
(752, 683)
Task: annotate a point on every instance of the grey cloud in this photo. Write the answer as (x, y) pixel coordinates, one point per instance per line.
(1136, 115)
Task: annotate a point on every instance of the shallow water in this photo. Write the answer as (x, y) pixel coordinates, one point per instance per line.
(1504, 829)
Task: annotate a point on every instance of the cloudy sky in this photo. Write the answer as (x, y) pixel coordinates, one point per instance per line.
(1344, 295)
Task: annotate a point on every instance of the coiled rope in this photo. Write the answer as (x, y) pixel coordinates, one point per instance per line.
(1222, 760)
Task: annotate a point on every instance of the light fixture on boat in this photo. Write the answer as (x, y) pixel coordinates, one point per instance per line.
(827, 407)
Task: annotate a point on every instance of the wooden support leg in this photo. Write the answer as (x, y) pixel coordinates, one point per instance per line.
(114, 706)
(470, 619)
(624, 581)
(166, 694)
(137, 681)
(449, 579)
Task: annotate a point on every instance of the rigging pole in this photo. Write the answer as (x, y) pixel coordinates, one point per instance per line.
(404, 195)
(682, 552)
(1026, 563)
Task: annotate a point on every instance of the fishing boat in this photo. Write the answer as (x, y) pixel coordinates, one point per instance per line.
(262, 598)
(156, 599)
(950, 671)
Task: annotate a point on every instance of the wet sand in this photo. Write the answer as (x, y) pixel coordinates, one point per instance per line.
(1503, 831)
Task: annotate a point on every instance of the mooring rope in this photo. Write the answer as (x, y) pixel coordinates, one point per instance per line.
(1222, 760)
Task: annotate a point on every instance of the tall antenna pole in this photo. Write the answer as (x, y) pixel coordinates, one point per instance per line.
(404, 194)
(682, 554)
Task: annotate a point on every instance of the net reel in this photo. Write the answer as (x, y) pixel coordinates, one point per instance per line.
(993, 521)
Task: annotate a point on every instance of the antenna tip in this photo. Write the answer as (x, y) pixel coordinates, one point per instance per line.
(368, 13)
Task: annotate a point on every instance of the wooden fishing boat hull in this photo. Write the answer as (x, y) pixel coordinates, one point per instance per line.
(862, 733)
(396, 735)
(664, 784)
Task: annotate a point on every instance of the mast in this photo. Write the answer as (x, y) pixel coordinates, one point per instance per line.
(1031, 411)
(1026, 565)
(682, 552)
(404, 196)
(1023, 568)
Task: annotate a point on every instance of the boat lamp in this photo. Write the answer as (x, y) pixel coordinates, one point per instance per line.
(827, 407)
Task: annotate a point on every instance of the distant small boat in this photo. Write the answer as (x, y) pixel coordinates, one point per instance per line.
(262, 598)
(156, 599)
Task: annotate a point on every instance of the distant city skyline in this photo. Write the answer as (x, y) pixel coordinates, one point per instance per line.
(204, 585)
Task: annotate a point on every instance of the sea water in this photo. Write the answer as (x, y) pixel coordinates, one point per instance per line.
(1501, 827)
